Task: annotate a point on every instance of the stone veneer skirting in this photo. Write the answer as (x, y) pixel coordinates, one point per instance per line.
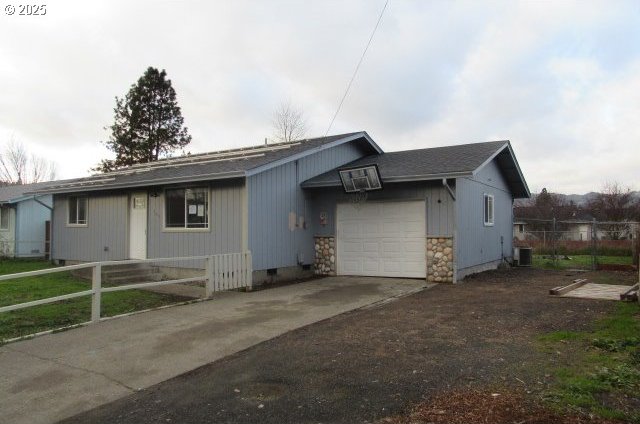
(325, 260)
(440, 259)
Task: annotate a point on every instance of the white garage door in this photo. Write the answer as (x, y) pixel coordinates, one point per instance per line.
(385, 239)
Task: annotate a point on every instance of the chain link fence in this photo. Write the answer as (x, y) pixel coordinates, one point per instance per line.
(584, 244)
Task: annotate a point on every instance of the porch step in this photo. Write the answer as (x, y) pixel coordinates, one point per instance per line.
(133, 278)
(130, 273)
(125, 273)
(117, 271)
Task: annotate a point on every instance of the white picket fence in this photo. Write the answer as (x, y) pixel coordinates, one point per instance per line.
(222, 272)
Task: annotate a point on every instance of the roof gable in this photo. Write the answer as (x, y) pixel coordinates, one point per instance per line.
(463, 160)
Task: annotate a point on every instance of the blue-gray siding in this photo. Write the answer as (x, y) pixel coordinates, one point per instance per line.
(478, 244)
(104, 238)
(440, 205)
(275, 198)
(108, 227)
(225, 226)
(30, 226)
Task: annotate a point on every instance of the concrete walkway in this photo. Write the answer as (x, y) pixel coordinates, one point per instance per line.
(59, 375)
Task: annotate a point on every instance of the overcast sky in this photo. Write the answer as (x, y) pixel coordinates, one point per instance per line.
(560, 79)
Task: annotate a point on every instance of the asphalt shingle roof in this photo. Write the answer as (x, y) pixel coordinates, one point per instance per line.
(15, 191)
(172, 170)
(436, 162)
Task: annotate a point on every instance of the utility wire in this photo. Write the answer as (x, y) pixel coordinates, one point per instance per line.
(355, 72)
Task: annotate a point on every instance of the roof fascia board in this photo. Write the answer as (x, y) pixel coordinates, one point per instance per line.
(147, 183)
(515, 162)
(492, 157)
(25, 197)
(308, 152)
(403, 179)
(520, 174)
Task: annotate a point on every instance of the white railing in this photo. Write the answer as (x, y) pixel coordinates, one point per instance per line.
(222, 272)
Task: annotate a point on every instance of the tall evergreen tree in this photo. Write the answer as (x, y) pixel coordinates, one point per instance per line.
(148, 123)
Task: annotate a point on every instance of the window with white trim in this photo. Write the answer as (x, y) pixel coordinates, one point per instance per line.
(186, 208)
(488, 209)
(4, 219)
(77, 208)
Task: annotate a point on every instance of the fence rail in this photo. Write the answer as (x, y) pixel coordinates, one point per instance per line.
(222, 272)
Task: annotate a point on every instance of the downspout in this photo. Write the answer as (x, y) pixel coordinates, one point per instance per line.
(35, 199)
(448, 187)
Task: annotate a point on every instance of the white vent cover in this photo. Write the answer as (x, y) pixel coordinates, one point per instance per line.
(361, 179)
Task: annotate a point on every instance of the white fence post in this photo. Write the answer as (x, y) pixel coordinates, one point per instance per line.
(209, 287)
(249, 268)
(96, 286)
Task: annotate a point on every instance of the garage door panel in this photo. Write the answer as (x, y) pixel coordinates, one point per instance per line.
(351, 229)
(371, 228)
(392, 229)
(353, 267)
(413, 229)
(349, 247)
(392, 247)
(369, 265)
(414, 247)
(392, 266)
(382, 239)
(371, 247)
(414, 268)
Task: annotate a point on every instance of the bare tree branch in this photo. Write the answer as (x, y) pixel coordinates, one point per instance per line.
(17, 167)
(288, 123)
(613, 203)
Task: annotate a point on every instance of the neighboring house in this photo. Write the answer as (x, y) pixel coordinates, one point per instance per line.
(440, 214)
(23, 220)
(519, 230)
(582, 229)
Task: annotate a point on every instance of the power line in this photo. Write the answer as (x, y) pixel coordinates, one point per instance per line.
(357, 67)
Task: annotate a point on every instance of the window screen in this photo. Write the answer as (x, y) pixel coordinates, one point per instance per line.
(77, 210)
(187, 208)
(488, 209)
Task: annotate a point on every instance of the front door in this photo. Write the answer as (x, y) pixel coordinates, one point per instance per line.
(138, 226)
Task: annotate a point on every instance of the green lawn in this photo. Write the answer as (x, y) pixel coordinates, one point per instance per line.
(578, 261)
(64, 313)
(601, 369)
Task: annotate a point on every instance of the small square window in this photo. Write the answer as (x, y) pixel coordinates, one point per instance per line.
(488, 209)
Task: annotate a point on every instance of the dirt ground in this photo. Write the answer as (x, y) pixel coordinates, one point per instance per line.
(372, 364)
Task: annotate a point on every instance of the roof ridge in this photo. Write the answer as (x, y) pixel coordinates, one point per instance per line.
(240, 151)
(453, 146)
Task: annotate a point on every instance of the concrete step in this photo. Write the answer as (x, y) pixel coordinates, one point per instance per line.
(138, 278)
(117, 272)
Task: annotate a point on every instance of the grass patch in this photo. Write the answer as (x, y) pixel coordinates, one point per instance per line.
(64, 313)
(602, 368)
(578, 261)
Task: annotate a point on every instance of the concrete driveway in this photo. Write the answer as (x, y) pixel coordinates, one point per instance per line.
(59, 375)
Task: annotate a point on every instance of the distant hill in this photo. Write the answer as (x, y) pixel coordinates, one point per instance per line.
(578, 199)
